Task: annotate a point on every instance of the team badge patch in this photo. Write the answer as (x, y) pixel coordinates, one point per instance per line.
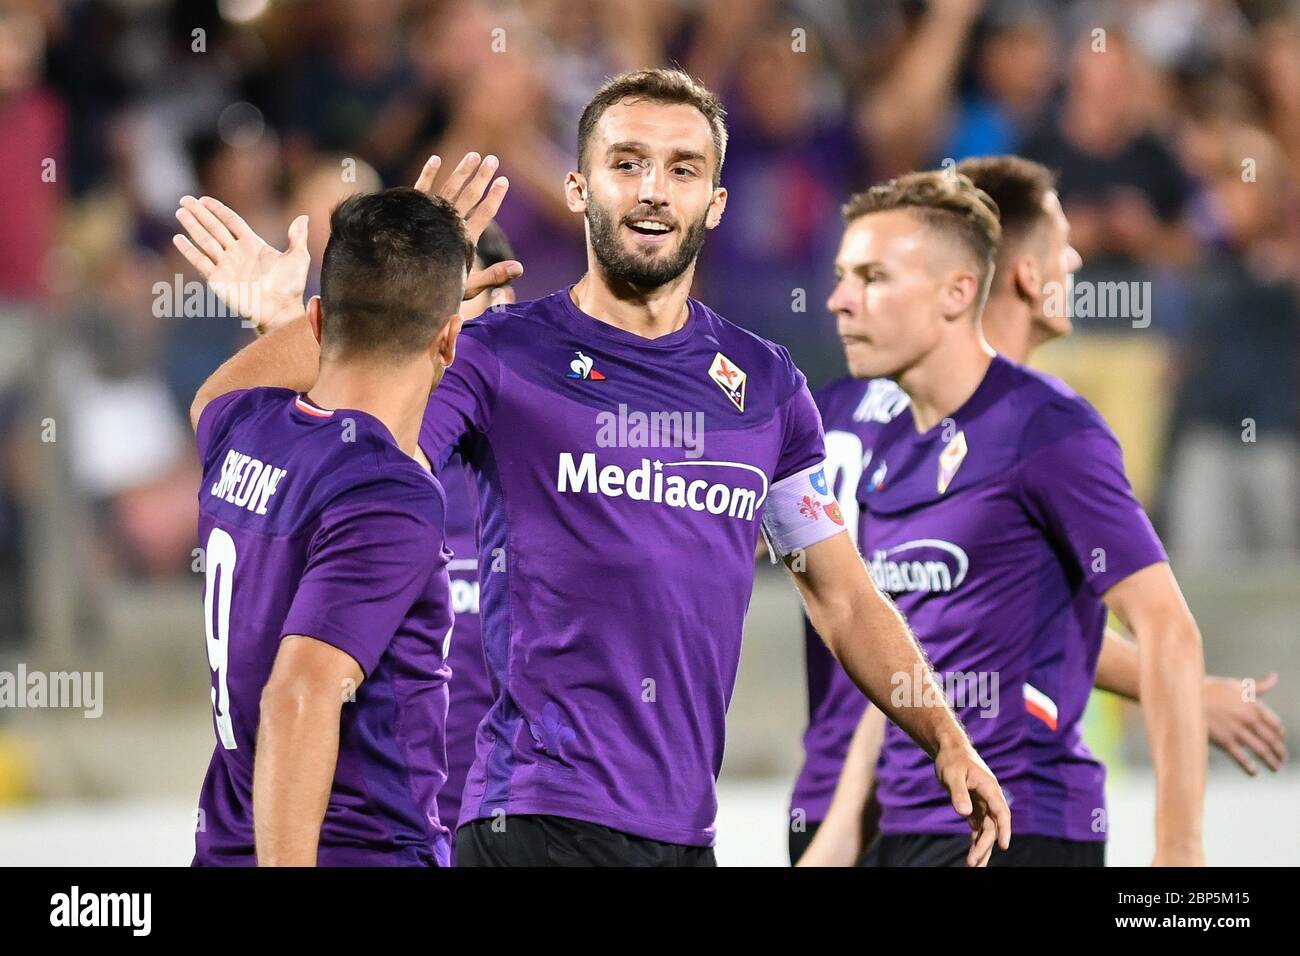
(950, 460)
(833, 512)
(582, 368)
(730, 379)
(818, 480)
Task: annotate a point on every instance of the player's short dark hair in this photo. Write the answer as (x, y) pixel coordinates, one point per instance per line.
(661, 85)
(493, 247)
(1018, 186)
(946, 201)
(392, 274)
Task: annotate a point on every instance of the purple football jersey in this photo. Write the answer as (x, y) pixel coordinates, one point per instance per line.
(315, 523)
(853, 413)
(622, 482)
(997, 532)
(470, 688)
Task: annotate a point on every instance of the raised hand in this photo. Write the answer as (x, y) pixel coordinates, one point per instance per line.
(251, 277)
(467, 188)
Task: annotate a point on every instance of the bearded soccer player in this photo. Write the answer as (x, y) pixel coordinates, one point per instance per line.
(1035, 257)
(998, 515)
(622, 560)
(327, 604)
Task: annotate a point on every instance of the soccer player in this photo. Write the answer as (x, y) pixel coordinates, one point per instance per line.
(621, 546)
(1035, 257)
(998, 514)
(327, 602)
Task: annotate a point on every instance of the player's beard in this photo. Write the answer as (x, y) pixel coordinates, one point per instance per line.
(644, 271)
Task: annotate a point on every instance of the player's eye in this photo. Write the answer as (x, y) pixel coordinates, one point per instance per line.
(627, 164)
(684, 171)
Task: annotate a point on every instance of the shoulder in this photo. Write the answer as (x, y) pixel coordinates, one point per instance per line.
(759, 359)
(512, 319)
(1048, 411)
(226, 413)
(396, 488)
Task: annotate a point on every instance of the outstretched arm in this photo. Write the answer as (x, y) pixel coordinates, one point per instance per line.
(266, 286)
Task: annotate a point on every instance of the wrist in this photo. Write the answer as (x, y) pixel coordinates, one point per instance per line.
(280, 314)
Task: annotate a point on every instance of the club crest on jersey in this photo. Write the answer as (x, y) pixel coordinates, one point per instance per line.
(581, 368)
(730, 379)
(950, 460)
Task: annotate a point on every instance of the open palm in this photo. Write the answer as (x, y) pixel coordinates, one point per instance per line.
(251, 277)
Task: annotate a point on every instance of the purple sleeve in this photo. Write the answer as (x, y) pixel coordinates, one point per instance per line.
(1077, 490)
(802, 445)
(212, 422)
(368, 564)
(464, 399)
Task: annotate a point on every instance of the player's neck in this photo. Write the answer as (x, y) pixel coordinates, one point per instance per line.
(396, 395)
(1009, 327)
(945, 379)
(649, 313)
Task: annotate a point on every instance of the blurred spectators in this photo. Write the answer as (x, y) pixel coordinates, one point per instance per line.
(1148, 109)
(31, 153)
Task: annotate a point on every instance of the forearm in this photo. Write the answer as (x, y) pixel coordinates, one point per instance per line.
(1172, 689)
(905, 105)
(839, 839)
(297, 750)
(287, 357)
(1117, 666)
(873, 644)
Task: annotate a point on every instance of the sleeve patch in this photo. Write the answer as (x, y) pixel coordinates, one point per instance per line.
(801, 511)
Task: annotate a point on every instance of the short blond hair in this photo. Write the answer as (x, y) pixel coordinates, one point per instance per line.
(946, 201)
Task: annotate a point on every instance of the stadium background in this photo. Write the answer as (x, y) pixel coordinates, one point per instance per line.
(1178, 139)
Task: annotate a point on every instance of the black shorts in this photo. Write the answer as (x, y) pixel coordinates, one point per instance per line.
(919, 849)
(543, 840)
(800, 839)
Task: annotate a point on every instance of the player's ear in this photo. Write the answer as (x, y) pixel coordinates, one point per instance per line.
(717, 205)
(958, 293)
(575, 191)
(314, 315)
(1027, 279)
(444, 343)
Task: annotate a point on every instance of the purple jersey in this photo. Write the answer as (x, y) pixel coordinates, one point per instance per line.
(315, 523)
(622, 482)
(997, 532)
(470, 688)
(853, 413)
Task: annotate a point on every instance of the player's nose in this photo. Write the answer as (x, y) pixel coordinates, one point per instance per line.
(654, 186)
(838, 302)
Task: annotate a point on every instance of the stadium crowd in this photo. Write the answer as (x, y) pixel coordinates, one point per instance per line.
(1174, 125)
